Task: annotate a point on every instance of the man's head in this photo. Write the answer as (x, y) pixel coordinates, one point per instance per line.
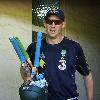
(54, 22)
(57, 12)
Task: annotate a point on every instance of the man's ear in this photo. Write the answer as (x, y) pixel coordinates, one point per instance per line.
(63, 26)
(44, 24)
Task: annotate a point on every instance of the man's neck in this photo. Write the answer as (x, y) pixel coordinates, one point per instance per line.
(55, 40)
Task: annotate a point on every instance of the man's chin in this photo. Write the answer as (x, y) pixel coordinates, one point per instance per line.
(52, 36)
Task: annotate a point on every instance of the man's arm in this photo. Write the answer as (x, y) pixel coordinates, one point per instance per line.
(88, 80)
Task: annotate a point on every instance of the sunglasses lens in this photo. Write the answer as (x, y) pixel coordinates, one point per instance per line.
(57, 22)
(49, 22)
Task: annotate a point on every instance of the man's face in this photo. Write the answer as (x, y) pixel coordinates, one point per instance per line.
(53, 26)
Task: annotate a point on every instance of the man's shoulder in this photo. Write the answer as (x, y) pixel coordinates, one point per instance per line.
(33, 44)
(72, 45)
(70, 41)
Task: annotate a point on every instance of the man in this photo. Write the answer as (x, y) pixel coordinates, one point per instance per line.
(62, 58)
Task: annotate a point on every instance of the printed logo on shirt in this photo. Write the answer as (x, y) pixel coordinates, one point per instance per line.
(42, 56)
(42, 63)
(62, 61)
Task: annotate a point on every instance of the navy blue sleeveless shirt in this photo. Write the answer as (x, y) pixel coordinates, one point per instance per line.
(61, 62)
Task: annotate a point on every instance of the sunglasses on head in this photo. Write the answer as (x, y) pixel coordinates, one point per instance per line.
(57, 22)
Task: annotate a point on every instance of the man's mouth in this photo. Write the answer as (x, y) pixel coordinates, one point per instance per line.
(52, 31)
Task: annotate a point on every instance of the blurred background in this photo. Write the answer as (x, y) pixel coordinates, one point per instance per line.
(23, 18)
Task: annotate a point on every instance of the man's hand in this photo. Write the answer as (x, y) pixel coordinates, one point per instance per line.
(25, 71)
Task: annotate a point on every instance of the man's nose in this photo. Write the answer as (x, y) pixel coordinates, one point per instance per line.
(53, 24)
